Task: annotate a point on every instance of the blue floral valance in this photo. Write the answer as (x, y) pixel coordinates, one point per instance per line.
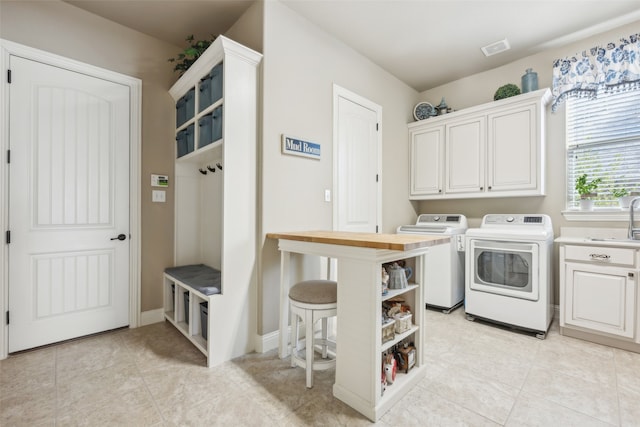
(614, 67)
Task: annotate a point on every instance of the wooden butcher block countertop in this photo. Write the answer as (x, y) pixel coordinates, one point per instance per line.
(396, 242)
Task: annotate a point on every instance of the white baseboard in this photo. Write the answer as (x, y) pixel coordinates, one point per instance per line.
(151, 316)
(267, 342)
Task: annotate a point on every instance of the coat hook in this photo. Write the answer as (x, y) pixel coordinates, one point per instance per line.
(203, 172)
(219, 166)
(211, 169)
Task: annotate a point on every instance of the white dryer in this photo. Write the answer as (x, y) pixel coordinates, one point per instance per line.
(509, 271)
(444, 263)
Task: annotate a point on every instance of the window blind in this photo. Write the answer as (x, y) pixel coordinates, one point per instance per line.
(603, 141)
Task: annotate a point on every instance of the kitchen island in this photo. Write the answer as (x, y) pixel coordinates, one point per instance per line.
(359, 327)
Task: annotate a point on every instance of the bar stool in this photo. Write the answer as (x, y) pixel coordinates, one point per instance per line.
(310, 301)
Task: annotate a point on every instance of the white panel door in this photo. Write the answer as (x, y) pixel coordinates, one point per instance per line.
(357, 167)
(69, 200)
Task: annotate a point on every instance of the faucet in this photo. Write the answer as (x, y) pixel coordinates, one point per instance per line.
(634, 232)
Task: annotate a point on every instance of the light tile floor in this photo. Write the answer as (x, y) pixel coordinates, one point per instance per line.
(478, 375)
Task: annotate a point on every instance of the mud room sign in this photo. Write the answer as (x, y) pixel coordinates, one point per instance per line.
(299, 147)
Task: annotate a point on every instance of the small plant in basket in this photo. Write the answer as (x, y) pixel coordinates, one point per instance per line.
(190, 54)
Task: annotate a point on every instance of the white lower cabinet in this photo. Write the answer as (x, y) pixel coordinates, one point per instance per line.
(600, 298)
(598, 291)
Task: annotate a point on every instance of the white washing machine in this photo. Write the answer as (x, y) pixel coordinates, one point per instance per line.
(508, 264)
(444, 263)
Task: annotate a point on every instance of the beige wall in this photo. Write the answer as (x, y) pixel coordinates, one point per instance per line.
(248, 29)
(301, 64)
(479, 89)
(65, 30)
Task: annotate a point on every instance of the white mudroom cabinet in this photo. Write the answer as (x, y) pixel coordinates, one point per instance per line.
(215, 200)
(491, 150)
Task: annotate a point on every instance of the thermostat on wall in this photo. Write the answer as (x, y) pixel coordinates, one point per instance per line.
(159, 180)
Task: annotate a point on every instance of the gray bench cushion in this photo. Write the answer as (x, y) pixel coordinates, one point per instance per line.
(198, 276)
(315, 292)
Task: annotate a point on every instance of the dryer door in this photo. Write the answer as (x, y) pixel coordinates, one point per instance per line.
(505, 268)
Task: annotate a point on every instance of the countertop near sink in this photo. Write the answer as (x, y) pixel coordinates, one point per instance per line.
(616, 237)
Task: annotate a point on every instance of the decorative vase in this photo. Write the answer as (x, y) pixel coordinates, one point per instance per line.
(529, 81)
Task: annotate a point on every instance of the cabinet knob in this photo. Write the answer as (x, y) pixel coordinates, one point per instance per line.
(481, 188)
(440, 191)
(489, 188)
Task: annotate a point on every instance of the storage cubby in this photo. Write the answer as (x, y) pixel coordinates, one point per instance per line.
(210, 88)
(215, 199)
(410, 296)
(185, 107)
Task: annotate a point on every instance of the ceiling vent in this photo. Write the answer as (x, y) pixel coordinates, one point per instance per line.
(497, 47)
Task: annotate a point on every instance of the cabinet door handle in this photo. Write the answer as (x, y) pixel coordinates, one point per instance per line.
(600, 257)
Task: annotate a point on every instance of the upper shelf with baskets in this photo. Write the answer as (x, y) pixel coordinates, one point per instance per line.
(200, 100)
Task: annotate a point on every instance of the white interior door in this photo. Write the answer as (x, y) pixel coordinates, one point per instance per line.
(68, 200)
(357, 163)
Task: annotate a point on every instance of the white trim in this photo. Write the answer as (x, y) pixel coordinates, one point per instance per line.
(267, 342)
(151, 316)
(597, 215)
(340, 92)
(8, 48)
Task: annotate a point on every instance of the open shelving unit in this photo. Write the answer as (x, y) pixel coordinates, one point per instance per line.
(216, 198)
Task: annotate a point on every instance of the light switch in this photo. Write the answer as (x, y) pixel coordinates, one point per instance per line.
(159, 196)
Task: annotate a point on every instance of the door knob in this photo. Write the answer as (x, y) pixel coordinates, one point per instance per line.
(120, 237)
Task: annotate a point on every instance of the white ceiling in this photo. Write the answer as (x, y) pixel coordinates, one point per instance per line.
(424, 43)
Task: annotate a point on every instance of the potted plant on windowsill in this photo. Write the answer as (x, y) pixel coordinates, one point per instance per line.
(587, 191)
(625, 197)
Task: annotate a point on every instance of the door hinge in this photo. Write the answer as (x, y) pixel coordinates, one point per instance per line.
(8, 156)
(8, 236)
(7, 317)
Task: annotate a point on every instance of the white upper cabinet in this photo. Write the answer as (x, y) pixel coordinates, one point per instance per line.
(427, 160)
(465, 152)
(491, 150)
(512, 150)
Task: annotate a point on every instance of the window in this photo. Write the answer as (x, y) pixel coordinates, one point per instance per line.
(603, 141)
